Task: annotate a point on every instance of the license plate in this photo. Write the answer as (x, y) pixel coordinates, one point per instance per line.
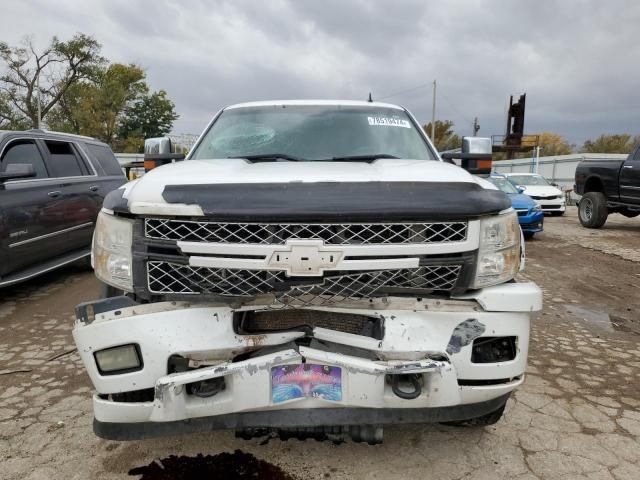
(306, 380)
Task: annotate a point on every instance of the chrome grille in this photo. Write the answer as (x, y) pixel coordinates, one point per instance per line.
(332, 234)
(172, 278)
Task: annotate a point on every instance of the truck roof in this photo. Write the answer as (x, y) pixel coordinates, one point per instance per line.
(350, 103)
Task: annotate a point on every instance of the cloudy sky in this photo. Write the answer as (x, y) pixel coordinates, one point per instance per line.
(578, 61)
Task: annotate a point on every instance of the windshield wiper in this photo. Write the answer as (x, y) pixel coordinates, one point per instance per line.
(361, 158)
(268, 157)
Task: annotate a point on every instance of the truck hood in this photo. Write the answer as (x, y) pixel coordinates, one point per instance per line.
(241, 189)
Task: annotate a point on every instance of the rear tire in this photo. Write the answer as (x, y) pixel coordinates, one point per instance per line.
(592, 210)
(481, 421)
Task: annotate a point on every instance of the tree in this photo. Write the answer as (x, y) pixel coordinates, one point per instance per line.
(553, 144)
(8, 118)
(619, 143)
(150, 116)
(95, 107)
(47, 75)
(445, 137)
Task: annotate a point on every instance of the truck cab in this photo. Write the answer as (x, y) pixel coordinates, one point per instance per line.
(310, 266)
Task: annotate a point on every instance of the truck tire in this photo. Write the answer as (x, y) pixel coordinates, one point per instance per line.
(592, 210)
(481, 421)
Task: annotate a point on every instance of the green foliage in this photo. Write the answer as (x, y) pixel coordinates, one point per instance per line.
(130, 145)
(150, 116)
(619, 143)
(115, 108)
(28, 75)
(8, 118)
(94, 108)
(445, 137)
(81, 93)
(553, 144)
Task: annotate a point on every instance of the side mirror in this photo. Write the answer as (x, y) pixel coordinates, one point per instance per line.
(160, 151)
(520, 189)
(476, 155)
(17, 170)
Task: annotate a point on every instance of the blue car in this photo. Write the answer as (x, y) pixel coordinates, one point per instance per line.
(530, 214)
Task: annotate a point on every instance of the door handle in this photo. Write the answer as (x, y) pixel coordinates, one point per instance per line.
(55, 193)
(94, 188)
(627, 166)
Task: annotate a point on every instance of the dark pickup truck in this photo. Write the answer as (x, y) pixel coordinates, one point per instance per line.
(51, 189)
(608, 186)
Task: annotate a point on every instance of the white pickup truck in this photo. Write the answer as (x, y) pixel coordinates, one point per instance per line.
(312, 268)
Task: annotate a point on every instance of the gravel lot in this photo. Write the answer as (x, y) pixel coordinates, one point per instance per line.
(577, 415)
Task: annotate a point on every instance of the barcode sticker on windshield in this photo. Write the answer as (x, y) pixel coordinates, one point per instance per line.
(389, 122)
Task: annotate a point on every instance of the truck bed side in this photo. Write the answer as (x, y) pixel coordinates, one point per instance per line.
(599, 176)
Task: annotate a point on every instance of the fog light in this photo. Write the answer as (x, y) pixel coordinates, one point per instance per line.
(116, 360)
(493, 349)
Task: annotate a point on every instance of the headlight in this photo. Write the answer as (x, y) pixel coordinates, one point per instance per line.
(499, 252)
(112, 251)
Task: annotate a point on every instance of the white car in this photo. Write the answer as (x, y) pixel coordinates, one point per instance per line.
(550, 198)
(312, 266)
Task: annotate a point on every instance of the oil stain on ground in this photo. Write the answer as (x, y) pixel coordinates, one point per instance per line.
(223, 466)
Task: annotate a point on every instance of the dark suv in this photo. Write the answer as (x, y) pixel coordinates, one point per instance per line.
(51, 189)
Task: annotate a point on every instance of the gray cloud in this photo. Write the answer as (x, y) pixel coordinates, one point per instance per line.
(578, 61)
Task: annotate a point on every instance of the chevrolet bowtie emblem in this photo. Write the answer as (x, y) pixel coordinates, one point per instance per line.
(304, 258)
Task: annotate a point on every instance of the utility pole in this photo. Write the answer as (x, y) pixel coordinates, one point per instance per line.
(476, 127)
(38, 97)
(433, 115)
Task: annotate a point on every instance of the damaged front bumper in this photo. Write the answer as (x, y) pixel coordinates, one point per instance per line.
(426, 363)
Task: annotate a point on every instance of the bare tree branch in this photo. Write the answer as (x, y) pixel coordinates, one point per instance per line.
(56, 68)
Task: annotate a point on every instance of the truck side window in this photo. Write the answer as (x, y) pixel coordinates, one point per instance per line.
(636, 157)
(105, 158)
(64, 161)
(24, 151)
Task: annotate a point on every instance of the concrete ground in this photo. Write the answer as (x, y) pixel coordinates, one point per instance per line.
(576, 417)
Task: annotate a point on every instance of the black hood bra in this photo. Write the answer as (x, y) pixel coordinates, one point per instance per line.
(339, 201)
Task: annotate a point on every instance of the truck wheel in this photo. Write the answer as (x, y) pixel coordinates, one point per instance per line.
(528, 235)
(592, 210)
(482, 421)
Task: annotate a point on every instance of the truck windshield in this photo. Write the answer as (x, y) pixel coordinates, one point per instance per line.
(313, 133)
(503, 184)
(528, 180)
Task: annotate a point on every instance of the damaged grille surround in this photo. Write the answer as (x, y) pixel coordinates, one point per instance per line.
(162, 271)
(172, 278)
